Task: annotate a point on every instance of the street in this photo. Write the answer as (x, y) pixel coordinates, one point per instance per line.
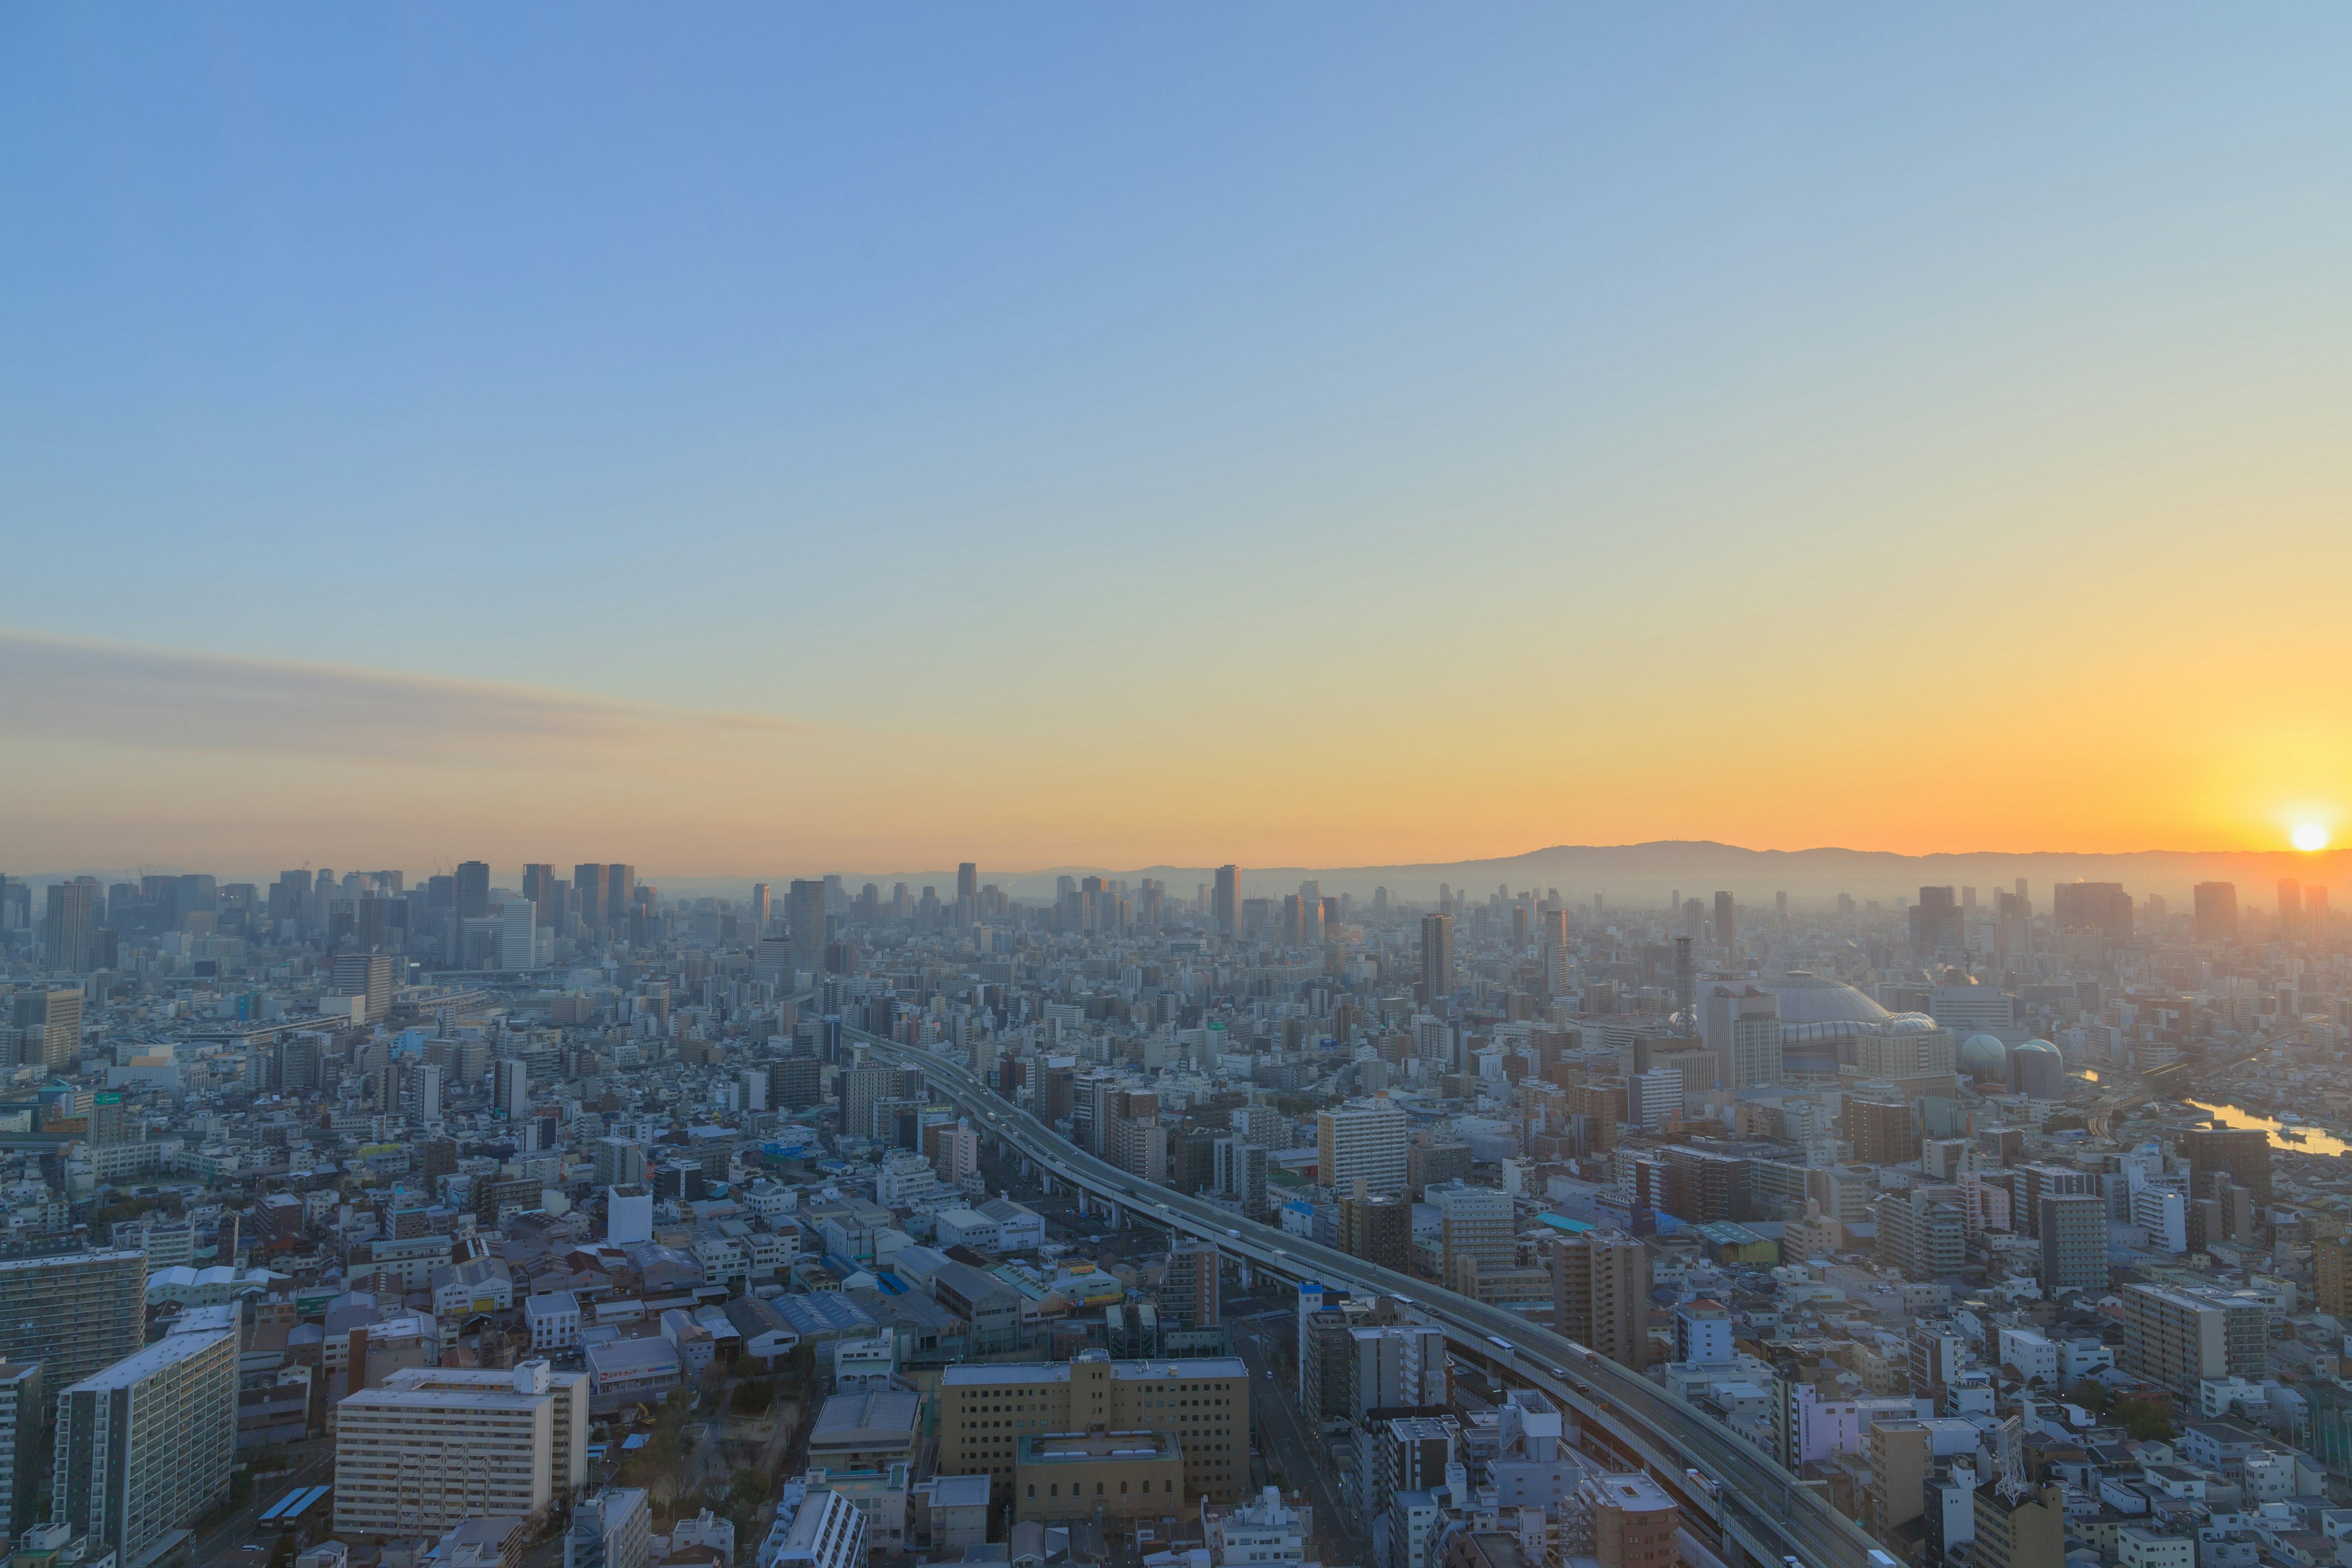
(1290, 1452)
(313, 1465)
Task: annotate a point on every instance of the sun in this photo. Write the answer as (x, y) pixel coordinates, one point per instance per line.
(2309, 837)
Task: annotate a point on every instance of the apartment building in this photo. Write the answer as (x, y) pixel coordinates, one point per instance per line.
(1362, 1140)
(144, 1447)
(434, 1446)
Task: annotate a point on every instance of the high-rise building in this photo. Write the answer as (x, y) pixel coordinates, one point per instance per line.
(2103, 907)
(2181, 1337)
(804, 913)
(1239, 1167)
(968, 880)
(74, 1312)
(1936, 921)
(1881, 1131)
(368, 975)
(1476, 1233)
(1726, 922)
(2027, 1530)
(2074, 1242)
(795, 1083)
(1741, 1026)
(1436, 957)
(1225, 904)
(51, 1026)
(23, 1477)
(143, 1447)
(2328, 1281)
(1923, 1233)
(1188, 1292)
(862, 1087)
(611, 1530)
(70, 931)
(1363, 1139)
(759, 910)
(1378, 1230)
(588, 896)
(473, 889)
(510, 1087)
(518, 934)
(431, 1446)
(2217, 911)
(1600, 1294)
(2242, 1153)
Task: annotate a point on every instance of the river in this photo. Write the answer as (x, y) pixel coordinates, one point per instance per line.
(2308, 1140)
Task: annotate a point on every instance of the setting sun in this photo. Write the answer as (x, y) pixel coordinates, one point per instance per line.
(2309, 837)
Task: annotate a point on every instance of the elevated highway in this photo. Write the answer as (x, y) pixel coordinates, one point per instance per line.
(1754, 1502)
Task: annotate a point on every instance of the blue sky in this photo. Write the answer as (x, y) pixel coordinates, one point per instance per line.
(1272, 371)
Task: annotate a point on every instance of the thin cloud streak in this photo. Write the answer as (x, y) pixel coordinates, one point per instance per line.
(123, 696)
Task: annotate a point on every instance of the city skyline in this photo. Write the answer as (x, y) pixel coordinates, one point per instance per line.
(1110, 441)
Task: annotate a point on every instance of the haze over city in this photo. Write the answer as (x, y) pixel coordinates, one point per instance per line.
(1175, 786)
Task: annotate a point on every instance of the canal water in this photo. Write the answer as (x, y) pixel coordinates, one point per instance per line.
(2302, 1137)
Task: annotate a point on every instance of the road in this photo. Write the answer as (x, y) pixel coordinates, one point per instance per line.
(1759, 1504)
(1297, 1453)
(225, 1543)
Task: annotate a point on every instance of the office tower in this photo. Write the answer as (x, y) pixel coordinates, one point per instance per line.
(795, 1083)
(1225, 904)
(24, 1448)
(51, 1026)
(1436, 958)
(588, 897)
(1203, 1405)
(1741, 1026)
(2181, 1337)
(759, 911)
(2037, 1182)
(2216, 918)
(1936, 921)
(74, 1312)
(1726, 922)
(431, 1446)
(1378, 1230)
(862, 1087)
(2074, 1242)
(968, 880)
(804, 913)
(1364, 1140)
(1600, 1294)
(2290, 909)
(1633, 1522)
(618, 1163)
(1655, 1098)
(427, 1080)
(473, 889)
(2241, 1154)
(367, 975)
(69, 932)
(1188, 1291)
(518, 934)
(510, 1087)
(144, 1447)
(1476, 1233)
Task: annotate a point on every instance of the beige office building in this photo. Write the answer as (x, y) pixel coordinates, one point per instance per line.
(434, 1446)
(986, 1412)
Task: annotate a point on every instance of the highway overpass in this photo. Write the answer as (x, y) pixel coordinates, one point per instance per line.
(1754, 1502)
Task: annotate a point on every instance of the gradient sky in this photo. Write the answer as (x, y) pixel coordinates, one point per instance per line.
(756, 438)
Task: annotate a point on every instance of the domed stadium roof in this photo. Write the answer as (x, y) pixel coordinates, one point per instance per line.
(1984, 1056)
(1809, 999)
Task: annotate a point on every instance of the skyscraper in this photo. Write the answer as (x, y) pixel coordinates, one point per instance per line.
(1726, 922)
(74, 1312)
(968, 880)
(620, 898)
(69, 932)
(473, 889)
(2243, 1153)
(2217, 911)
(1225, 905)
(760, 910)
(1436, 957)
(588, 896)
(804, 911)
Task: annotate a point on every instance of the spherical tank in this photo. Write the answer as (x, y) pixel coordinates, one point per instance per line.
(1984, 1059)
